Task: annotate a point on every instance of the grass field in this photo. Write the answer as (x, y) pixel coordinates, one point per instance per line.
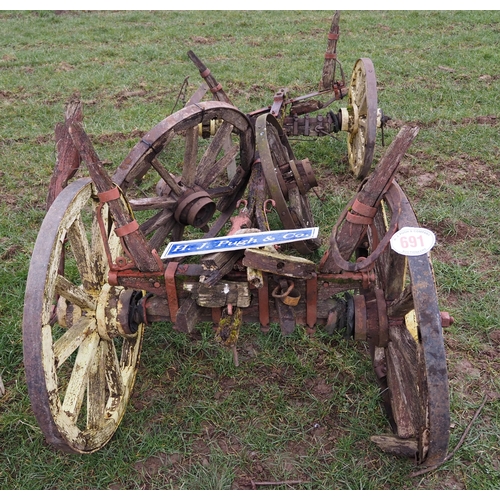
(299, 408)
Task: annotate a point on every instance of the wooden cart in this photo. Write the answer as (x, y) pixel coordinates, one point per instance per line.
(97, 277)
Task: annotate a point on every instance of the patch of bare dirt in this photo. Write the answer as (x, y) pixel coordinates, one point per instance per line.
(64, 66)
(461, 169)
(11, 252)
(152, 465)
(481, 120)
(114, 137)
(201, 40)
(319, 388)
(495, 338)
(397, 124)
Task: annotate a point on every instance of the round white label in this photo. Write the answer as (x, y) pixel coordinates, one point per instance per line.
(413, 241)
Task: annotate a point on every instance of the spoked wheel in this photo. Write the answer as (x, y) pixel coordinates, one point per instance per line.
(359, 119)
(80, 359)
(287, 179)
(177, 175)
(408, 350)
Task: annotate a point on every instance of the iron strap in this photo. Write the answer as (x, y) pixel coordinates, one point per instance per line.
(173, 302)
(393, 197)
(112, 194)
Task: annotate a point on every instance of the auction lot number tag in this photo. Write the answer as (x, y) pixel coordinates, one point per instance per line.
(413, 241)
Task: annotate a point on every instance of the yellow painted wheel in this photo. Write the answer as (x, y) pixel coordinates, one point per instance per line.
(360, 117)
(80, 364)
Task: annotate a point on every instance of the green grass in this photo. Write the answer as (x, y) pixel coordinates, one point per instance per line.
(300, 407)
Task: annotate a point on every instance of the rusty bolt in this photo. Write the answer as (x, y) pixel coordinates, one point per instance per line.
(156, 284)
(446, 319)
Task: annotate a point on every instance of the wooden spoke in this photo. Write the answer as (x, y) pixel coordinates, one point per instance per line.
(158, 202)
(113, 373)
(80, 247)
(178, 232)
(74, 293)
(96, 394)
(79, 380)
(75, 391)
(210, 155)
(159, 220)
(190, 156)
(167, 177)
(99, 258)
(162, 233)
(68, 343)
(212, 173)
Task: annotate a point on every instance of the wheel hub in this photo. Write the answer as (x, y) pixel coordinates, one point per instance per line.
(194, 207)
(115, 312)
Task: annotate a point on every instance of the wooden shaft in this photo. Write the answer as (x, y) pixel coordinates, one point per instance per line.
(350, 234)
(330, 63)
(135, 242)
(213, 84)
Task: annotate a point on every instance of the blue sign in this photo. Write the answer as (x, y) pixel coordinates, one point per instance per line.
(237, 241)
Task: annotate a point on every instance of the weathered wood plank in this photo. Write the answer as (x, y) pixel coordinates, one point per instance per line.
(188, 316)
(278, 263)
(327, 79)
(220, 294)
(67, 155)
(396, 446)
(401, 359)
(189, 167)
(218, 265)
(135, 241)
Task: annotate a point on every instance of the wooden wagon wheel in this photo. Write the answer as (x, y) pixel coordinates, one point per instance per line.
(286, 179)
(80, 363)
(359, 119)
(408, 352)
(177, 175)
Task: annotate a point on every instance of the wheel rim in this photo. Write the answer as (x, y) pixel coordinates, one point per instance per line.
(293, 207)
(79, 381)
(411, 368)
(362, 121)
(202, 195)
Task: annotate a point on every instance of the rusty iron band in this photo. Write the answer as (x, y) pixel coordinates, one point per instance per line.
(173, 303)
(127, 229)
(358, 219)
(363, 209)
(264, 302)
(312, 301)
(393, 197)
(112, 194)
(149, 145)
